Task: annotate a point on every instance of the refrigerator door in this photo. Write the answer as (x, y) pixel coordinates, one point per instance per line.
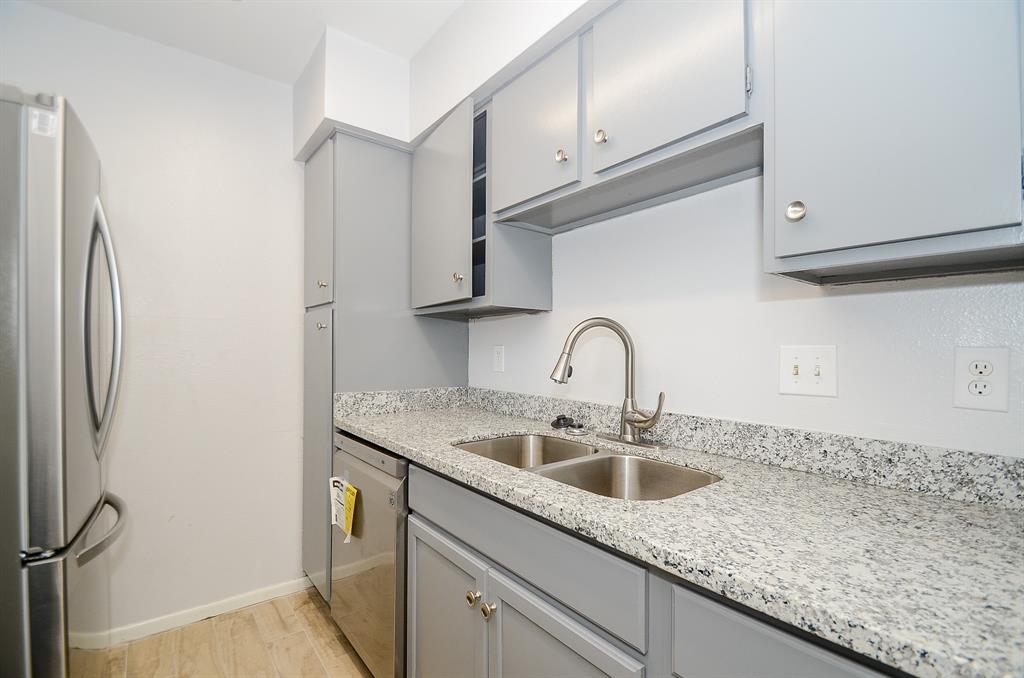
(92, 325)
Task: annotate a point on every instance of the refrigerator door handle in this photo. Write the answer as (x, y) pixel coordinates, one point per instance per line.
(105, 416)
(88, 553)
(42, 556)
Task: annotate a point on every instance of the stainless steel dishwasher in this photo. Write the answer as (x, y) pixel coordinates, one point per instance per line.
(368, 572)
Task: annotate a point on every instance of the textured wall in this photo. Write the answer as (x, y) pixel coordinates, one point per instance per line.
(685, 279)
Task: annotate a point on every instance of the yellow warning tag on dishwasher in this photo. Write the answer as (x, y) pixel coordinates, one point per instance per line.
(350, 509)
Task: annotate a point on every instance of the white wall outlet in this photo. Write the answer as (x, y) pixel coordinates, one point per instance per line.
(808, 370)
(981, 380)
(498, 359)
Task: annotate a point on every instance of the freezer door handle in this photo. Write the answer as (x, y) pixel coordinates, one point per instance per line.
(102, 418)
(89, 552)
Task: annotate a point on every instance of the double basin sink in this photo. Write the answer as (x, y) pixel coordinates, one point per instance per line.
(591, 469)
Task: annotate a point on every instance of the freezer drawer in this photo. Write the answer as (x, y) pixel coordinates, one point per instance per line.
(368, 572)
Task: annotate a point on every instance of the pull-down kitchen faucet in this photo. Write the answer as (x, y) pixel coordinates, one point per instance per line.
(634, 419)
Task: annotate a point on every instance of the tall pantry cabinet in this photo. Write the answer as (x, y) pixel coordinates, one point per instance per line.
(359, 332)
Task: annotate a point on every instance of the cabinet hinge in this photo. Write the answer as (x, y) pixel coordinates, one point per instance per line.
(749, 81)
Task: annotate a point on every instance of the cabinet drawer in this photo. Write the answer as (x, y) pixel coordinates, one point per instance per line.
(607, 590)
(710, 640)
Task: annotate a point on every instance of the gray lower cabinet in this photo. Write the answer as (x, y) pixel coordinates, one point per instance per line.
(710, 640)
(317, 431)
(663, 71)
(911, 157)
(530, 638)
(446, 584)
(496, 593)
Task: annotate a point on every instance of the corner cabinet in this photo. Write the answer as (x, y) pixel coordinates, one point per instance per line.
(493, 592)
(909, 162)
(463, 264)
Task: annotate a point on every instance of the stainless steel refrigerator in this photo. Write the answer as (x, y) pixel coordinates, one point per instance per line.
(61, 348)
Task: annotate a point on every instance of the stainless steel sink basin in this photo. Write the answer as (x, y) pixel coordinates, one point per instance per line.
(624, 477)
(527, 451)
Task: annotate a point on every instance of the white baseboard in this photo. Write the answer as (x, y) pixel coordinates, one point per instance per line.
(123, 634)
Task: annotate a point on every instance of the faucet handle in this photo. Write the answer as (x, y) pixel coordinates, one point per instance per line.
(643, 420)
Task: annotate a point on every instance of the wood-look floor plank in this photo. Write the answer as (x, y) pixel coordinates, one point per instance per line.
(240, 648)
(117, 662)
(153, 657)
(295, 657)
(349, 666)
(276, 619)
(197, 651)
(327, 640)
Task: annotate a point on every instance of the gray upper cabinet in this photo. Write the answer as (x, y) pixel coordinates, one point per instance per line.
(446, 635)
(536, 129)
(663, 71)
(318, 222)
(442, 176)
(893, 122)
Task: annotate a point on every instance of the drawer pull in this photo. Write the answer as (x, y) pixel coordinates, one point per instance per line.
(795, 211)
(472, 597)
(487, 610)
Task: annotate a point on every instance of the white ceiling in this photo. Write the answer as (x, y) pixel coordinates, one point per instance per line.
(272, 38)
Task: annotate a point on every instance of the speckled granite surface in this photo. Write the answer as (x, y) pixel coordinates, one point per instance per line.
(954, 474)
(927, 585)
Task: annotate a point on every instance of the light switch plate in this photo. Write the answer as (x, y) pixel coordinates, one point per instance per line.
(808, 370)
(498, 359)
(981, 380)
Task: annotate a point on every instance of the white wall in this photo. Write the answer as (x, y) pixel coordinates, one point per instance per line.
(684, 279)
(477, 41)
(205, 207)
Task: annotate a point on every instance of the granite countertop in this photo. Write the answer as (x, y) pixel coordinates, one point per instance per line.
(927, 585)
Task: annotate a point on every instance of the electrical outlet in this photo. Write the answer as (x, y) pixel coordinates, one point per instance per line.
(981, 380)
(808, 370)
(498, 359)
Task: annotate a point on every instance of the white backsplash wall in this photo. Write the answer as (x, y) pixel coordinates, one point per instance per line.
(205, 206)
(684, 278)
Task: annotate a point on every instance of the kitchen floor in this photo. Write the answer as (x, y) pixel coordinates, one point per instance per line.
(288, 637)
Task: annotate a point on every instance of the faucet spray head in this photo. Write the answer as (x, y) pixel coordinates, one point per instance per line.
(563, 370)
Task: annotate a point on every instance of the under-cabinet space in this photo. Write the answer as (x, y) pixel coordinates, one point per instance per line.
(663, 71)
(910, 161)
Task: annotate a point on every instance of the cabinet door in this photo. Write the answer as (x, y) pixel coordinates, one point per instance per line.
(446, 634)
(442, 211)
(318, 220)
(893, 121)
(536, 128)
(529, 638)
(317, 446)
(664, 71)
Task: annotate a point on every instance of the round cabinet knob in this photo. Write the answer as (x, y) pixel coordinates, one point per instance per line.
(600, 137)
(795, 211)
(321, 326)
(472, 597)
(561, 156)
(321, 283)
(457, 278)
(487, 610)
